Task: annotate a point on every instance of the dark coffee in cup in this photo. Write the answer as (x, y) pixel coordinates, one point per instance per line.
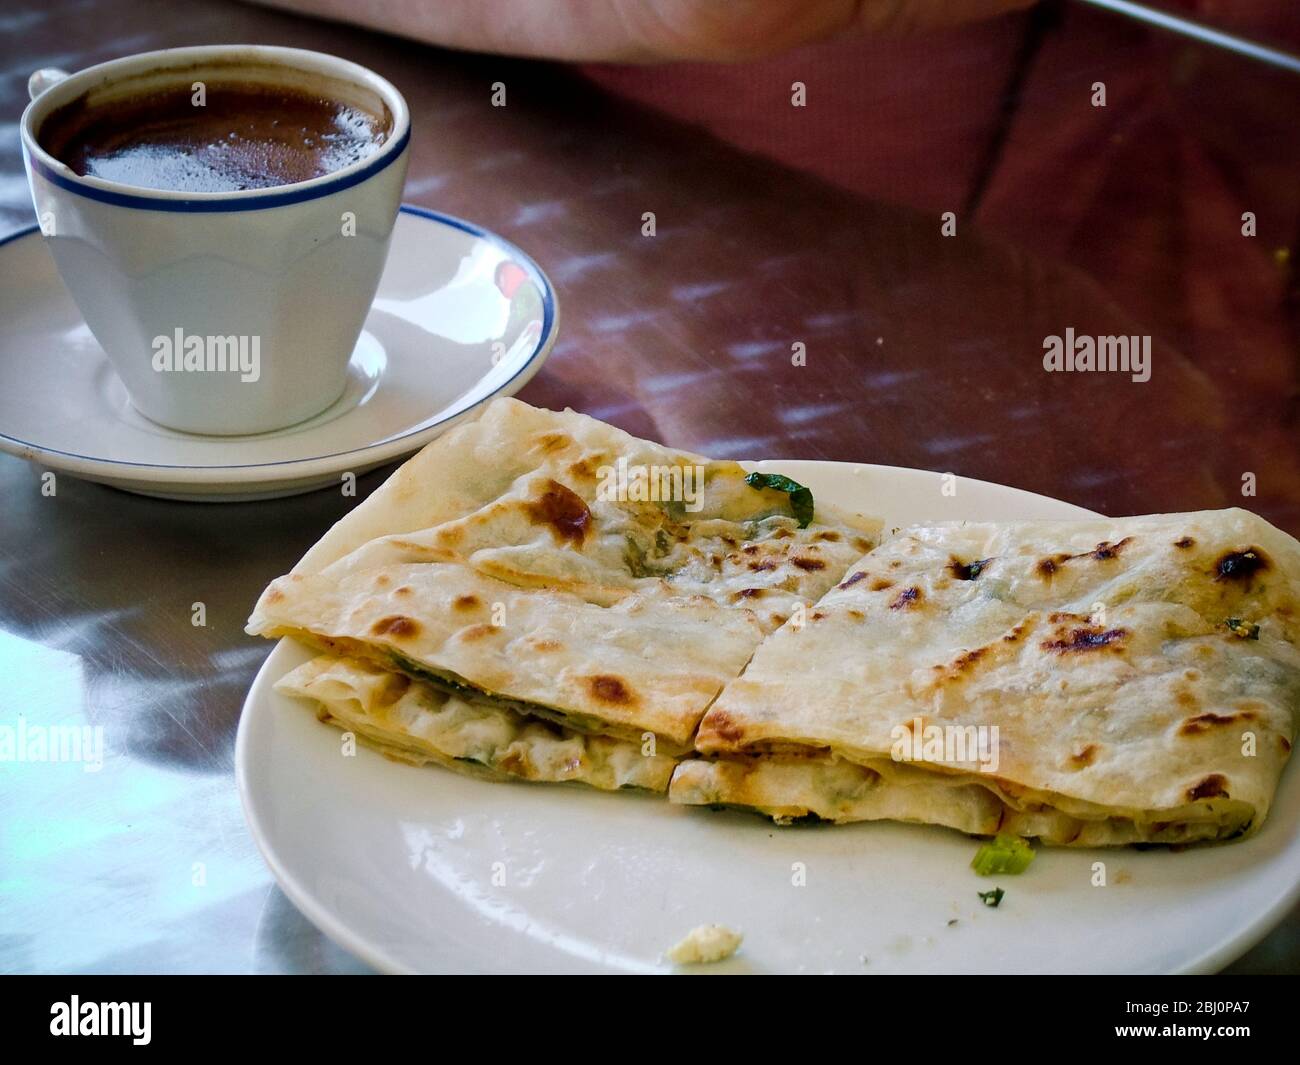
(219, 135)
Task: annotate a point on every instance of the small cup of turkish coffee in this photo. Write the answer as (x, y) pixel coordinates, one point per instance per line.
(221, 216)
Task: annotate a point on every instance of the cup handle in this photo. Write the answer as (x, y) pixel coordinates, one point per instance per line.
(43, 79)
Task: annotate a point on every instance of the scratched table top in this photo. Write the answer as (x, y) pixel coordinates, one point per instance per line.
(922, 350)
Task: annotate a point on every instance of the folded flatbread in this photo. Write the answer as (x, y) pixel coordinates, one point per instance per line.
(575, 574)
(411, 722)
(1086, 682)
(511, 447)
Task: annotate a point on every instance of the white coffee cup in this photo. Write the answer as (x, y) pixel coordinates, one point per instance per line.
(271, 283)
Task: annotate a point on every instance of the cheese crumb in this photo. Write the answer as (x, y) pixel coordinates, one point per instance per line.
(707, 943)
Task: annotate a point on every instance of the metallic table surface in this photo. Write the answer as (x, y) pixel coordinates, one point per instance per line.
(921, 353)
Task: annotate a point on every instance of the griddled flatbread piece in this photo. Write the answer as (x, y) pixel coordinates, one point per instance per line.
(644, 664)
(512, 450)
(413, 722)
(544, 534)
(1142, 673)
(562, 501)
(580, 583)
(767, 565)
(472, 464)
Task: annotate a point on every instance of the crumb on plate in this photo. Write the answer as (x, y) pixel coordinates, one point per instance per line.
(707, 943)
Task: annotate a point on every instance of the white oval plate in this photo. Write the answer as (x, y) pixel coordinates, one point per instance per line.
(461, 316)
(425, 870)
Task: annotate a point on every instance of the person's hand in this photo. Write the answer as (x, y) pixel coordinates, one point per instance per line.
(644, 30)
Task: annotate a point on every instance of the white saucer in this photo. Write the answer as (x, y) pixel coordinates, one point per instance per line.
(461, 316)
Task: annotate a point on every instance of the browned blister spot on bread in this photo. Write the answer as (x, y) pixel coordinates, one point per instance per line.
(907, 599)
(1082, 639)
(961, 666)
(1083, 758)
(1215, 786)
(965, 664)
(609, 689)
(477, 632)
(967, 571)
(1017, 632)
(563, 511)
(465, 602)
(451, 535)
(852, 579)
(274, 595)
(1241, 565)
(811, 565)
(586, 468)
(397, 626)
(1202, 723)
(719, 723)
(1104, 551)
(1047, 567)
(549, 442)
